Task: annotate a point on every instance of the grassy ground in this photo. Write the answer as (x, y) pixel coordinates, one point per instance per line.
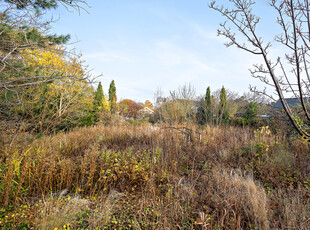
(145, 177)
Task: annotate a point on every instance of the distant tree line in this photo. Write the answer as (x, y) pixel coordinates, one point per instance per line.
(221, 107)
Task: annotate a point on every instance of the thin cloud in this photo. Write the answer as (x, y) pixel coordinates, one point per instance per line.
(108, 57)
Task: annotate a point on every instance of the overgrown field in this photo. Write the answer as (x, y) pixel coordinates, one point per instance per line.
(146, 177)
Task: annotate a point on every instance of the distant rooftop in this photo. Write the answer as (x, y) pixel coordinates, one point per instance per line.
(292, 102)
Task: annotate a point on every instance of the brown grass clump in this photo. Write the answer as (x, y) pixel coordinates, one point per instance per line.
(292, 209)
(65, 212)
(241, 199)
(60, 211)
(104, 210)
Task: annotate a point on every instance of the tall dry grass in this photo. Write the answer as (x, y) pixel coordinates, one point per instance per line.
(167, 181)
(241, 199)
(59, 211)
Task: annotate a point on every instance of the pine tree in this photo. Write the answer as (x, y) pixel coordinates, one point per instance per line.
(223, 112)
(112, 97)
(43, 4)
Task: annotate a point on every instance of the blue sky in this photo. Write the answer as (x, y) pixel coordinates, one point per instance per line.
(148, 44)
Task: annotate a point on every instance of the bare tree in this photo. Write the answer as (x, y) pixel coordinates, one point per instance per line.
(288, 75)
(185, 92)
(184, 98)
(179, 107)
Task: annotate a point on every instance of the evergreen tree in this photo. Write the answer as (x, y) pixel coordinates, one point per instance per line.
(112, 96)
(208, 112)
(208, 97)
(43, 4)
(201, 118)
(251, 113)
(204, 110)
(101, 105)
(223, 112)
(98, 100)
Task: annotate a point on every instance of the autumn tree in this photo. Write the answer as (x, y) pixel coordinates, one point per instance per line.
(288, 74)
(23, 39)
(172, 112)
(129, 109)
(112, 97)
(60, 104)
(22, 27)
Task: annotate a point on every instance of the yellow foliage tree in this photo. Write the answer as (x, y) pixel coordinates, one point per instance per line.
(105, 104)
(66, 99)
(52, 62)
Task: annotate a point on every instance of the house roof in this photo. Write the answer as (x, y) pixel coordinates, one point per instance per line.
(292, 102)
(146, 109)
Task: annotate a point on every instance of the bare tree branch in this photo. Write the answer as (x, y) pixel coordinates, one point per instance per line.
(293, 18)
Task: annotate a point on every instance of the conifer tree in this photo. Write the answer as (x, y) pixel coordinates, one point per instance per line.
(208, 97)
(98, 98)
(101, 105)
(100, 101)
(112, 96)
(223, 112)
(44, 4)
(208, 105)
(204, 110)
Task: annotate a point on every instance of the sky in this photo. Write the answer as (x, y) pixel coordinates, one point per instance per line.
(146, 45)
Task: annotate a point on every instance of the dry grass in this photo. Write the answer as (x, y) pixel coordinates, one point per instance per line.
(293, 209)
(241, 199)
(104, 210)
(167, 181)
(59, 211)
